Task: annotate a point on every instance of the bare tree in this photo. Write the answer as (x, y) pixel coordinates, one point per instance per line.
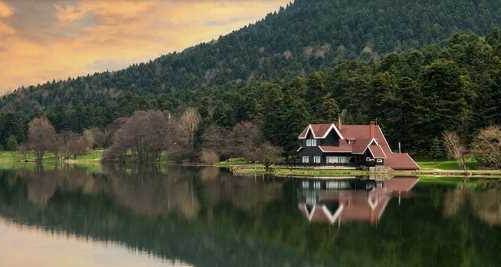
(266, 154)
(95, 137)
(189, 122)
(77, 145)
(111, 129)
(217, 139)
(487, 147)
(455, 149)
(144, 136)
(244, 138)
(41, 137)
(209, 156)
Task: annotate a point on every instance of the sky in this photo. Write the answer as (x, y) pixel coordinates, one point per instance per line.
(42, 40)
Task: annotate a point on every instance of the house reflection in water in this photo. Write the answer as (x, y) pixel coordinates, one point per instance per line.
(331, 201)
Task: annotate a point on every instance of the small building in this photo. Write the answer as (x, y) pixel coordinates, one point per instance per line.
(349, 145)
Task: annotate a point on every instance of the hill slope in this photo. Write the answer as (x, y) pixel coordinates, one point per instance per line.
(305, 36)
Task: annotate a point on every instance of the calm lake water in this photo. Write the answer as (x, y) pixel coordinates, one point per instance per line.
(181, 216)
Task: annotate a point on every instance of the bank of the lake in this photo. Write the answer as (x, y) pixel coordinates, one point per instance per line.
(238, 166)
(428, 168)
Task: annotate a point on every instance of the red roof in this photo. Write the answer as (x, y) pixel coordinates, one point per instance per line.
(342, 148)
(361, 137)
(401, 161)
(377, 151)
(318, 130)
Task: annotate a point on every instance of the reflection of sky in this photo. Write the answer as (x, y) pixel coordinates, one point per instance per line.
(22, 246)
(55, 39)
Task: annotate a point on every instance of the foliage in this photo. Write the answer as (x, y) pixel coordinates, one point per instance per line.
(487, 147)
(305, 63)
(454, 148)
(209, 156)
(11, 144)
(41, 137)
(145, 135)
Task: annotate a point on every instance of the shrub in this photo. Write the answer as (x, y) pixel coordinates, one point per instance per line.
(487, 147)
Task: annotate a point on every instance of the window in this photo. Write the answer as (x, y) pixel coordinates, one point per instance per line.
(317, 159)
(379, 160)
(311, 142)
(306, 159)
(337, 160)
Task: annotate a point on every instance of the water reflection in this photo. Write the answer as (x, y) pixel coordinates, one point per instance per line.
(485, 200)
(207, 217)
(355, 199)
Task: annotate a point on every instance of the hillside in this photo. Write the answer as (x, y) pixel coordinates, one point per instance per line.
(304, 37)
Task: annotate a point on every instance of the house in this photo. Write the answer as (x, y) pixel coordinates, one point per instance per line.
(349, 145)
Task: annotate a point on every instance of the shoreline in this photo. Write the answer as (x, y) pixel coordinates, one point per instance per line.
(319, 173)
(92, 161)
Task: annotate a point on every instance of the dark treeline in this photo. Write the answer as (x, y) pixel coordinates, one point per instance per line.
(415, 95)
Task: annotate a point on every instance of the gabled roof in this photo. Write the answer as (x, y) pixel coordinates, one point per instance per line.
(362, 137)
(362, 132)
(320, 131)
(376, 150)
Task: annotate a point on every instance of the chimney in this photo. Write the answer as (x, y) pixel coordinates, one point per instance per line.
(372, 129)
(339, 122)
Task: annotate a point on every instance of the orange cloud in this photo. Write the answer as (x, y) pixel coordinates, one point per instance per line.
(90, 36)
(5, 10)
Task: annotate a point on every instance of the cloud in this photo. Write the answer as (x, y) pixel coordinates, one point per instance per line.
(56, 39)
(5, 10)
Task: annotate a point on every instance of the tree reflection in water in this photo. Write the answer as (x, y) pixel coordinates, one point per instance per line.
(207, 217)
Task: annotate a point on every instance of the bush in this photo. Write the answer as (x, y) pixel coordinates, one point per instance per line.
(487, 147)
(209, 156)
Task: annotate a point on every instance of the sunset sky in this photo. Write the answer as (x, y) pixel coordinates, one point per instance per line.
(52, 39)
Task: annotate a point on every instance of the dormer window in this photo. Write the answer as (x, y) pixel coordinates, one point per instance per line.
(311, 142)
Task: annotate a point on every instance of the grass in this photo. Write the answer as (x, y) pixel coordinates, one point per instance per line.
(233, 162)
(447, 165)
(16, 160)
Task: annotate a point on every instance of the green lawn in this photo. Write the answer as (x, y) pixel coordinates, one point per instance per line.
(16, 160)
(446, 165)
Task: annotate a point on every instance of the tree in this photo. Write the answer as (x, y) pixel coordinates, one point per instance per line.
(436, 150)
(41, 137)
(209, 156)
(189, 122)
(216, 139)
(487, 147)
(266, 154)
(455, 149)
(244, 138)
(330, 109)
(145, 135)
(447, 92)
(77, 145)
(11, 144)
(94, 137)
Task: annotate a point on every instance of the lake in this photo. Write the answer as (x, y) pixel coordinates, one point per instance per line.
(186, 216)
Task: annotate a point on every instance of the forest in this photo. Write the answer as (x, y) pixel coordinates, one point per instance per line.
(310, 62)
